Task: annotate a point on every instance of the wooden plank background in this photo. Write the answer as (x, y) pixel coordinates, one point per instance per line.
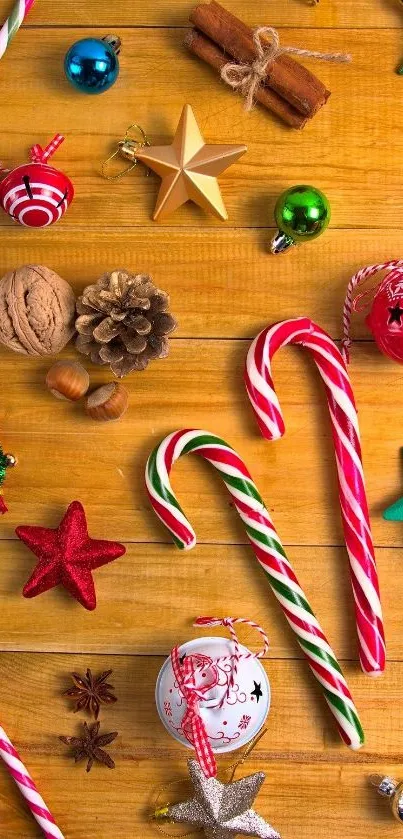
(224, 287)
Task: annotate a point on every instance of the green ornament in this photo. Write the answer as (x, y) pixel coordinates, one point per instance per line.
(4, 464)
(302, 213)
(6, 461)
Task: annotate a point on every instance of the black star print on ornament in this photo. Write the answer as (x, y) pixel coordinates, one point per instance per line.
(257, 691)
(396, 313)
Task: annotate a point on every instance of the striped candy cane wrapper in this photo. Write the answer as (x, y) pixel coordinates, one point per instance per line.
(28, 789)
(13, 23)
(269, 553)
(346, 438)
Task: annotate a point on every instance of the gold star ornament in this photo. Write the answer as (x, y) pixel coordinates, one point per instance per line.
(222, 811)
(189, 169)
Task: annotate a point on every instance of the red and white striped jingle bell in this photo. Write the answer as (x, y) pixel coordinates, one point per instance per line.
(36, 194)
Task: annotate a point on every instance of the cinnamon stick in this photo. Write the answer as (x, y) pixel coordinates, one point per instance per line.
(289, 79)
(209, 52)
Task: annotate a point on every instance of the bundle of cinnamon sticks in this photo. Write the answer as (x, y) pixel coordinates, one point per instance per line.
(290, 91)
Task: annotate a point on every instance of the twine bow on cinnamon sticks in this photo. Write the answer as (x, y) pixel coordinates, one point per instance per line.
(255, 64)
(247, 78)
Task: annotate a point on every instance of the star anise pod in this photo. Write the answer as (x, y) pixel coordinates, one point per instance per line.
(89, 746)
(91, 692)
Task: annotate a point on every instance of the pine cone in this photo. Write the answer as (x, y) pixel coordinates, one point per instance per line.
(123, 321)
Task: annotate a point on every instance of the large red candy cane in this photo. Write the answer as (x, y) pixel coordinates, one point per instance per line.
(353, 500)
(269, 553)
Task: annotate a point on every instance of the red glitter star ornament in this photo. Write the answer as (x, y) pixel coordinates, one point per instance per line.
(67, 556)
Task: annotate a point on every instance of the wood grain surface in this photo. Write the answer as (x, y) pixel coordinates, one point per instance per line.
(224, 287)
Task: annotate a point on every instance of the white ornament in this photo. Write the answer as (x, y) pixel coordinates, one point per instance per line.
(233, 713)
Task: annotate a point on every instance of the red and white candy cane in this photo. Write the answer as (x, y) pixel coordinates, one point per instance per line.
(28, 789)
(12, 24)
(358, 278)
(269, 553)
(346, 437)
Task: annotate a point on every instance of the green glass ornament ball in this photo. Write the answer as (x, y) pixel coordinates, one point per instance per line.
(302, 213)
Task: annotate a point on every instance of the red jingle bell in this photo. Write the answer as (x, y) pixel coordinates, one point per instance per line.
(385, 319)
(36, 194)
(385, 301)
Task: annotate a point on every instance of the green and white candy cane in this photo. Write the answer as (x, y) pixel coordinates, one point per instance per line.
(269, 553)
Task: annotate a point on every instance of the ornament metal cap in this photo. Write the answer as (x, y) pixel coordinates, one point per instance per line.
(114, 41)
(388, 788)
(281, 242)
(134, 139)
(11, 461)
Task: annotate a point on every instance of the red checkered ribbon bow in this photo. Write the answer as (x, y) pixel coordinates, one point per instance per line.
(40, 155)
(192, 724)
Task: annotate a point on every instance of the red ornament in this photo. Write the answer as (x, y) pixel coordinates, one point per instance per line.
(385, 319)
(35, 194)
(67, 556)
(385, 304)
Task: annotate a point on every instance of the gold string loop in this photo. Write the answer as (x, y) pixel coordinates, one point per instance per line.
(127, 148)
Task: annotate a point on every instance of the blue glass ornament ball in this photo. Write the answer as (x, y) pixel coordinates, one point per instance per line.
(91, 65)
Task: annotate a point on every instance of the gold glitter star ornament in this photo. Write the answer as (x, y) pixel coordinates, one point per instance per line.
(223, 811)
(189, 169)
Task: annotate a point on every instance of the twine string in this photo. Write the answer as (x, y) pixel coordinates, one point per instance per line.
(247, 78)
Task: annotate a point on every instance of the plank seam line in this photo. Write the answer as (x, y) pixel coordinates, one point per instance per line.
(274, 659)
(307, 545)
(183, 26)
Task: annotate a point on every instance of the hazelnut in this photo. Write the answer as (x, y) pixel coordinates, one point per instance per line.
(68, 380)
(108, 402)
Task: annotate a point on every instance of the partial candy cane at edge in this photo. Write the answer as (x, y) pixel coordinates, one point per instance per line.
(346, 438)
(269, 553)
(12, 24)
(28, 789)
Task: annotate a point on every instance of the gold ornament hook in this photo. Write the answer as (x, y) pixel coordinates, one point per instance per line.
(127, 148)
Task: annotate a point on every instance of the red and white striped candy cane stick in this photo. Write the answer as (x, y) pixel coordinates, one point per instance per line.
(346, 437)
(12, 24)
(269, 553)
(28, 789)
